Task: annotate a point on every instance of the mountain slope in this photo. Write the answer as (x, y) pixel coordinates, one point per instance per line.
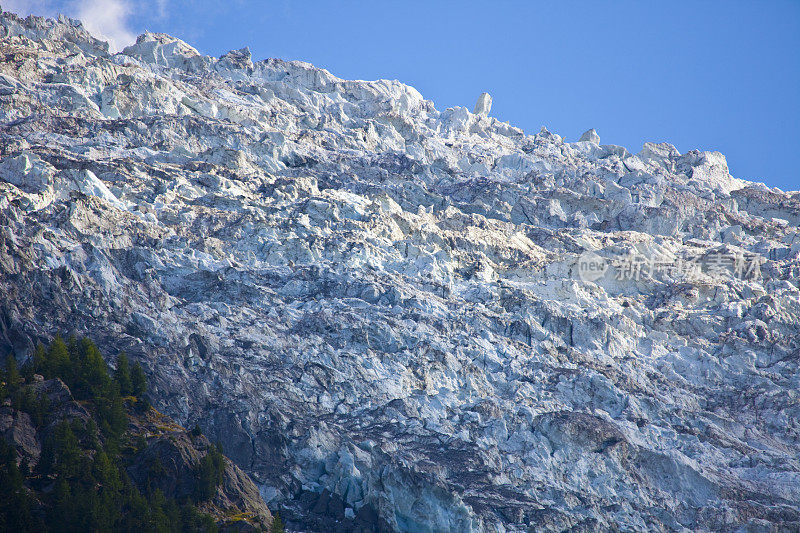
(413, 318)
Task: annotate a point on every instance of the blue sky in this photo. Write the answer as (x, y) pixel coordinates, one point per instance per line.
(707, 75)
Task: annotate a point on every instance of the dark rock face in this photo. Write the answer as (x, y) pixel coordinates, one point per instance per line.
(427, 319)
(62, 406)
(18, 431)
(170, 462)
(327, 512)
(177, 457)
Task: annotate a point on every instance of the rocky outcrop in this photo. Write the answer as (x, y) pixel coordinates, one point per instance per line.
(17, 429)
(168, 458)
(367, 298)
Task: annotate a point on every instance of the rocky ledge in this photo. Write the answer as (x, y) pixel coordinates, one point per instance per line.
(429, 319)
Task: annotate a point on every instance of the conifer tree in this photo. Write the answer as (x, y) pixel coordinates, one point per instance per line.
(138, 380)
(277, 524)
(58, 363)
(122, 375)
(12, 377)
(14, 501)
(39, 359)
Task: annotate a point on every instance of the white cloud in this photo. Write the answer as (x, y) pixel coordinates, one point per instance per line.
(161, 7)
(108, 20)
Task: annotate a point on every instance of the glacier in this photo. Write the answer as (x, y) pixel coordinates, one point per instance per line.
(381, 309)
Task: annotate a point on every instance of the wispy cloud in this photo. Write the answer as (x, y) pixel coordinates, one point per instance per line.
(161, 7)
(106, 19)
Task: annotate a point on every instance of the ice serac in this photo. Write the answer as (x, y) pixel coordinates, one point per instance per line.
(378, 306)
(590, 136)
(484, 104)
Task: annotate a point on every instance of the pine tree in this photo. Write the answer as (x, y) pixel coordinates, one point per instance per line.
(63, 513)
(12, 377)
(39, 360)
(138, 380)
(47, 458)
(67, 452)
(211, 471)
(155, 473)
(14, 501)
(58, 361)
(92, 379)
(122, 375)
(118, 418)
(105, 472)
(277, 524)
(92, 436)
